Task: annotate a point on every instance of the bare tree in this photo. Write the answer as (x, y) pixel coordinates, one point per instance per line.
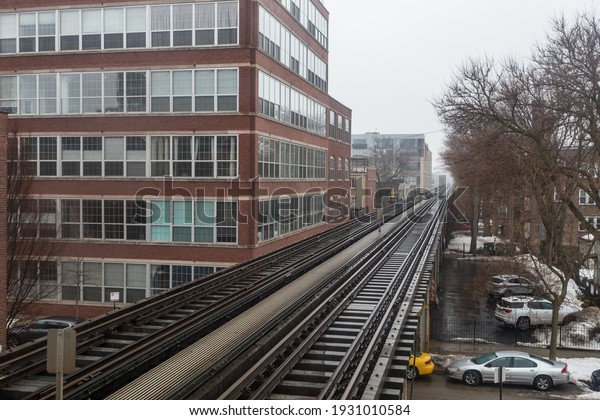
(31, 236)
(483, 166)
(547, 111)
(387, 158)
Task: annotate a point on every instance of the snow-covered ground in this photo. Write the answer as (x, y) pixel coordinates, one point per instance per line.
(580, 368)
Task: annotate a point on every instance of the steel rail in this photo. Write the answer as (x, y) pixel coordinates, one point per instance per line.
(187, 371)
(420, 252)
(303, 324)
(315, 324)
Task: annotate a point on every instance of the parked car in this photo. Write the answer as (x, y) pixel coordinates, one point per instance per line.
(520, 368)
(39, 328)
(524, 311)
(421, 365)
(509, 285)
(595, 380)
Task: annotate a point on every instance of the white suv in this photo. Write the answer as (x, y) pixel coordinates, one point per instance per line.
(525, 311)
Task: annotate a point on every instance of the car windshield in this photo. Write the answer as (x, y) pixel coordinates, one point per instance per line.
(496, 280)
(484, 358)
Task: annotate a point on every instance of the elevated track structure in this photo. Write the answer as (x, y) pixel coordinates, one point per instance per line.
(263, 318)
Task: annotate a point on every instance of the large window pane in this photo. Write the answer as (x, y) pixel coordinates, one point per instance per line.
(8, 33)
(69, 30)
(182, 91)
(113, 92)
(183, 16)
(113, 28)
(161, 91)
(136, 27)
(27, 32)
(47, 93)
(136, 91)
(46, 31)
(28, 94)
(91, 92)
(160, 24)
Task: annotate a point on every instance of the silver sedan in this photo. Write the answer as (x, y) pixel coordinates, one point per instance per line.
(519, 368)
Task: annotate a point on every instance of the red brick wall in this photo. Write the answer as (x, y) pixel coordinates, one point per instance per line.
(3, 219)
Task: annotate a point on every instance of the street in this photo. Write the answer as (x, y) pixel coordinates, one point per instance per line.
(437, 387)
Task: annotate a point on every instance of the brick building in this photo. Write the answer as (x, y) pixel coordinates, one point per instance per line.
(171, 139)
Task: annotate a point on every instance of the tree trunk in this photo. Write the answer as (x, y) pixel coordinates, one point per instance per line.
(475, 222)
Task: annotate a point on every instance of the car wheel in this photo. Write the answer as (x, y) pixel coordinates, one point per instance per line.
(472, 378)
(412, 372)
(523, 323)
(12, 342)
(542, 383)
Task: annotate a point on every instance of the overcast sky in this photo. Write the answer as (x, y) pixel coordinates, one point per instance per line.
(389, 59)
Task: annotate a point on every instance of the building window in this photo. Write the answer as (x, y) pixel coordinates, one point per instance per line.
(91, 92)
(92, 281)
(161, 220)
(182, 91)
(179, 156)
(160, 155)
(135, 220)
(182, 156)
(226, 156)
(182, 221)
(212, 222)
(114, 27)
(160, 25)
(204, 156)
(340, 169)
(204, 215)
(92, 156)
(283, 103)
(114, 219)
(80, 93)
(286, 214)
(585, 199)
(69, 30)
(135, 154)
(71, 156)
(348, 169)
(91, 218)
(27, 32)
(227, 23)
(278, 42)
(331, 168)
(135, 27)
(91, 26)
(8, 33)
(113, 156)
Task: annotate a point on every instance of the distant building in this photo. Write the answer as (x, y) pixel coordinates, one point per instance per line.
(363, 187)
(410, 148)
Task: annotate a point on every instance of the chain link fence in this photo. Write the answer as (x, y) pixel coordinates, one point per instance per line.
(572, 335)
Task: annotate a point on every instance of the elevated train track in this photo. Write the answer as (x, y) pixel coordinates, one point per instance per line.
(117, 347)
(316, 338)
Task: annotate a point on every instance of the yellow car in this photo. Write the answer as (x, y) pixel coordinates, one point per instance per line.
(422, 365)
